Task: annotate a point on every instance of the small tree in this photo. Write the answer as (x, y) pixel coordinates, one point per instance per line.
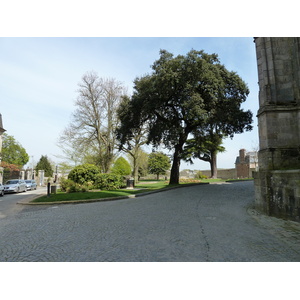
(143, 164)
(13, 152)
(45, 165)
(133, 145)
(121, 167)
(158, 163)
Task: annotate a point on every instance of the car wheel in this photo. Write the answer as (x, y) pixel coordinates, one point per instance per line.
(2, 193)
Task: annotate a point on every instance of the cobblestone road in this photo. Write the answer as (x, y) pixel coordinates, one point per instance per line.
(201, 223)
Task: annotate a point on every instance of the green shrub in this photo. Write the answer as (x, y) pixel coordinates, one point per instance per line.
(199, 175)
(65, 183)
(73, 188)
(106, 181)
(84, 188)
(121, 167)
(69, 186)
(83, 174)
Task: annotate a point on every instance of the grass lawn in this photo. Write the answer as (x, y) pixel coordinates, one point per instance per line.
(141, 187)
(61, 196)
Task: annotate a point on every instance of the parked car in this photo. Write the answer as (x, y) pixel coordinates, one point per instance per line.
(30, 184)
(1, 190)
(15, 186)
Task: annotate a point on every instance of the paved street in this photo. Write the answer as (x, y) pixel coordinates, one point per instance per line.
(8, 205)
(213, 222)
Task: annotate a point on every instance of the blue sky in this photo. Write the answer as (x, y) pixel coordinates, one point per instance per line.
(39, 78)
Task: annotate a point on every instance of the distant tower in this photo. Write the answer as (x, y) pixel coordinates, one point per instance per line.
(2, 130)
(277, 183)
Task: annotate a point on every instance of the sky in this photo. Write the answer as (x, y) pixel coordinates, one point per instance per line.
(40, 76)
(46, 47)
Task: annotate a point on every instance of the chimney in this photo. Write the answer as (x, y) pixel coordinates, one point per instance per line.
(242, 155)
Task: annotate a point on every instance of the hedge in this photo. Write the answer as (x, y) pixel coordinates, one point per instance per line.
(106, 181)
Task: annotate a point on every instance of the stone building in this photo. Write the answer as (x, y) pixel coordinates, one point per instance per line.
(277, 183)
(246, 163)
(2, 130)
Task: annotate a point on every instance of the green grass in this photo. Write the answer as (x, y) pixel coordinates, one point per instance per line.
(153, 186)
(61, 196)
(212, 180)
(142, 187)
(240, 179)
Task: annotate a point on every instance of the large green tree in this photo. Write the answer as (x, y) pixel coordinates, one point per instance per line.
(182, 96)
(13, 152)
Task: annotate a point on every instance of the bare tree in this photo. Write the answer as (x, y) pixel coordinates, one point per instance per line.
(92, 129)
(134, 149)
(133, 145)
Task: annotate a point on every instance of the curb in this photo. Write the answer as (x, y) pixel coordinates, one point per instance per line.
(238, 180)
(109, 199)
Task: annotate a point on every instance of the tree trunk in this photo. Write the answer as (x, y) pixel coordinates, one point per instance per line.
(157, 177)
(174, 176)
(135, 170)
(136, 175)
(213, 164)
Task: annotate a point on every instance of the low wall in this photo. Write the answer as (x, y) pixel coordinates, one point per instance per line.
(222, 173)
(277, 193)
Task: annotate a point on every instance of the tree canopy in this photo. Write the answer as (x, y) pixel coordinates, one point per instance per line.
(185, 95)
(13, 152)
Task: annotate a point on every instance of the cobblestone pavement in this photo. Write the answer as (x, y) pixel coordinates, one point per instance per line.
(202, 223)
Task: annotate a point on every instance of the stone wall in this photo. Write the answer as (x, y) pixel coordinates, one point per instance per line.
(278, 179)
(278, 63)
(243, 170)
(222, 173)
(277, 193)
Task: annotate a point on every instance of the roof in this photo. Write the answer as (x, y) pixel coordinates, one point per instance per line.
(1, 125)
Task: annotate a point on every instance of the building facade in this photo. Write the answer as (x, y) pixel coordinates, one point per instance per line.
(277, 183)
(246, 163)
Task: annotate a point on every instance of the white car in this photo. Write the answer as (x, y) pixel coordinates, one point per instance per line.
(1, 190)
(15, 186)
(30, 184)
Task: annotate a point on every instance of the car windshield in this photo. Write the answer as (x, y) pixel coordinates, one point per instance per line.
(12, 182)
(28, 181)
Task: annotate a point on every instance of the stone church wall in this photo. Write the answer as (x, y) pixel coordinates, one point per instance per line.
(277, 183)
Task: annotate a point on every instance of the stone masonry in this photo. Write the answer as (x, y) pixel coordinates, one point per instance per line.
(277, 184)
